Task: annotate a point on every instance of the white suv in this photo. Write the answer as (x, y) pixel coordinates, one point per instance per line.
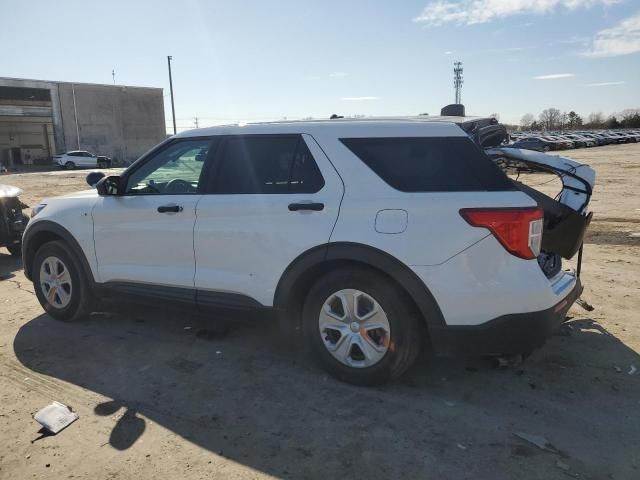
(81, 158)
(372, 237)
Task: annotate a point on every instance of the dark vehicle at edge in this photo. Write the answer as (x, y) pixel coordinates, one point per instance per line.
(12, 220)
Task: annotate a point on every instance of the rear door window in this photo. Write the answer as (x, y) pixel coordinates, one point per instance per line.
(258, 164)
(429, 164)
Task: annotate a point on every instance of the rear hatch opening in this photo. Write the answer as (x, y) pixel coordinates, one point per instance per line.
(566, 215)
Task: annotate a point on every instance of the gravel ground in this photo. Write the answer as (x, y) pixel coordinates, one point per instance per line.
(174, 395)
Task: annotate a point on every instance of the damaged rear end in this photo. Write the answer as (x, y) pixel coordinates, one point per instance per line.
(567, 216)
(534, 289)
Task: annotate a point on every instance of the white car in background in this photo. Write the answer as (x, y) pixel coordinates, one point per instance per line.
(81, 158)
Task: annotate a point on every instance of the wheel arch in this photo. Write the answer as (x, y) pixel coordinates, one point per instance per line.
(47, 231)
(300, 275)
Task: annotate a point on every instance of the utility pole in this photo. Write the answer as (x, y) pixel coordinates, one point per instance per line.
(195, 121)
(458, 81)
(75, 113)
(173, 109)
(113, 74)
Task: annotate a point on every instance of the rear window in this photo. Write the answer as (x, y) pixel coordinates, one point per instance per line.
(429, 164)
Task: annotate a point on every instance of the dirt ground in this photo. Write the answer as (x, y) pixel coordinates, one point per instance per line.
(170, 395)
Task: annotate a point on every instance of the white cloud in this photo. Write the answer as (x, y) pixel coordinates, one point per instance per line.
(439, 12)
(338, 74)
(554, 76)
(359, 99)
(623, 39)
(448, 52)
(603, 84)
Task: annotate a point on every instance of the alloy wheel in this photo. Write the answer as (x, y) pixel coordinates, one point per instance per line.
(55, 282)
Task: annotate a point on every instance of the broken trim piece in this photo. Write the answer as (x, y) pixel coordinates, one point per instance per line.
(577, 178)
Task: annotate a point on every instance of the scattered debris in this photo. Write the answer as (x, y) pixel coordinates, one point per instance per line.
(537, 440)
(187, 328)
(562, 466)
(617, 369)
(586, 305)
(460, 446)
(449, 403)
(632, 370)
(55, 417)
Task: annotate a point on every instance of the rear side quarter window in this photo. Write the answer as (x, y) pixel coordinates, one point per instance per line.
(429, 164)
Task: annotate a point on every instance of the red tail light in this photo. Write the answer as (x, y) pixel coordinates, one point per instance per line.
(519, 230)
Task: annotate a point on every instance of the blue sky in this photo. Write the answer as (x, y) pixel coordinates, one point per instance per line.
(266, 60)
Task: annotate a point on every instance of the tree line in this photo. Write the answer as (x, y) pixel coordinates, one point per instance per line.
(554, 119)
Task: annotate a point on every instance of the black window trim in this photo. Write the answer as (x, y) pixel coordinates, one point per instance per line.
(210, 184)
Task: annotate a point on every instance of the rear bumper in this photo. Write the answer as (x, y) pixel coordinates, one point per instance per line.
(507, 334)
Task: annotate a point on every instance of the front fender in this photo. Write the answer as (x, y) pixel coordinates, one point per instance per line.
(42, 231)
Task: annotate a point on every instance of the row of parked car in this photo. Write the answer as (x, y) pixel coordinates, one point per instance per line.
(574, 139)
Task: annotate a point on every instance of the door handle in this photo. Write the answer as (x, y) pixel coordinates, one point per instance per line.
(313, 206)
(169, 209)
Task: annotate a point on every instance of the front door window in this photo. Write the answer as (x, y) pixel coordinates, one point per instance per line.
(173, 171)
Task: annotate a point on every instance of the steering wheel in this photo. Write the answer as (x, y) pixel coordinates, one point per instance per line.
(177, 185)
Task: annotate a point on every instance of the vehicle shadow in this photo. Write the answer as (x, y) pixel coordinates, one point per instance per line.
(8, 265)
(246, 394)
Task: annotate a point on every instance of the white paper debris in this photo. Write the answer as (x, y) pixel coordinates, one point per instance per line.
(55, 416)
(537, 440)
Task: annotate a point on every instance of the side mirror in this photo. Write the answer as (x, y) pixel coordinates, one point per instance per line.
(93, 178)
(109, 186)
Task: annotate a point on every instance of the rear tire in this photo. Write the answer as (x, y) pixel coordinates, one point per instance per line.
(366, 299)
(70, 166)
(60, 282)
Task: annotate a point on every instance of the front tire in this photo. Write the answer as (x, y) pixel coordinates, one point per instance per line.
(60, 283)
(70, 166)
(362, 328)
